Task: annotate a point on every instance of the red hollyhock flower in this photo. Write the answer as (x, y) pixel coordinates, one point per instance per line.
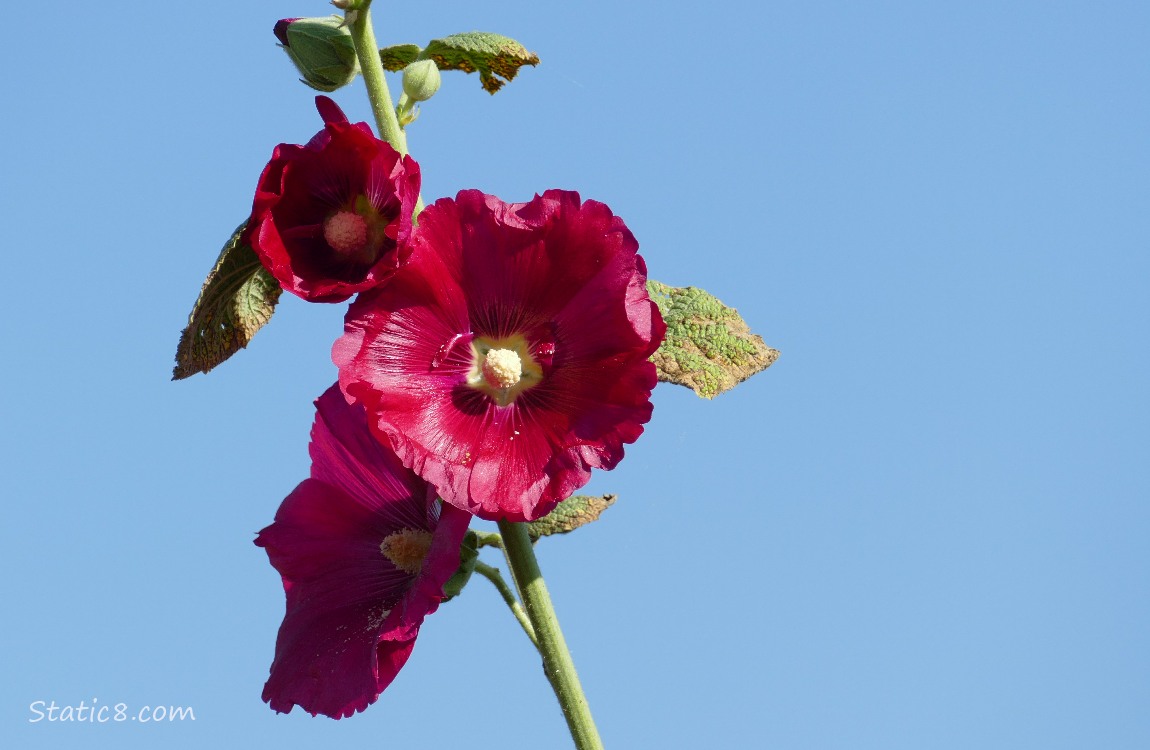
(333, 218)
(509, 356)
(364, 549)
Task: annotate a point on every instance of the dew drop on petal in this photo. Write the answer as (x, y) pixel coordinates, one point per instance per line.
(445, 351)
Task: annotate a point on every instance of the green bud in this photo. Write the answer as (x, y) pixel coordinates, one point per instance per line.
(321, 49)
(421, 80)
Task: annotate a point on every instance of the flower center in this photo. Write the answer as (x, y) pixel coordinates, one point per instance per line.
(345, 232)
(406, 549)
(502, 368)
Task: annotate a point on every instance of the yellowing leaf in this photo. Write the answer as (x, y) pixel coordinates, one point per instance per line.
(708, 347)
(497, 58)
(237, 299)
(575, 511)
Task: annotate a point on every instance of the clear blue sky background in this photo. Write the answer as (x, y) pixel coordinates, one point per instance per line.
(925, 527)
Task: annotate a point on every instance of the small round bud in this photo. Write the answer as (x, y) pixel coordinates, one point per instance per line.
(321, 50)
(421, 80)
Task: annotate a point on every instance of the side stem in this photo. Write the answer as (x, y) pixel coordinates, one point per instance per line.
(557, 663)
(492, 574)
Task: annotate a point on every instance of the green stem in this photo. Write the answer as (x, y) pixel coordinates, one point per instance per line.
(493, 575)
(371, 67)
(557, 663)
(488, 539)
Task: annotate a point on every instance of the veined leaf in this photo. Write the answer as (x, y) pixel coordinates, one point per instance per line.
(497, 58)
(237, 299)
(708, 347)
(575, 511)
(399, 56)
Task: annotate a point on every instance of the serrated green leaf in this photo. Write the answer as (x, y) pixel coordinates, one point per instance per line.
(399, 56)
(494, 56)
(708, 347)
(237, 299)
(575, 511)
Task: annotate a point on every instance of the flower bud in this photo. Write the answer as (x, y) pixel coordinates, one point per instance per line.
(421, 80)
(321, 49)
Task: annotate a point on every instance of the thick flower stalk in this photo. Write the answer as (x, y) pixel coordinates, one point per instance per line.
(333, 217)
(509, 357)
(364, 549)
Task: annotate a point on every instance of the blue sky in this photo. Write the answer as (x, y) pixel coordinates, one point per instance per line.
(923, 527)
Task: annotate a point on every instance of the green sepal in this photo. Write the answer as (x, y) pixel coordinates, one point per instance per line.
(708, 347)
(322, 51)
(468, 556)
(494, 56)
(237, 299)
(575, 511)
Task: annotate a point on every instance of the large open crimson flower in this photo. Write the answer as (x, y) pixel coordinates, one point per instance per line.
(333, 217)
(364, 548)
(509, 357)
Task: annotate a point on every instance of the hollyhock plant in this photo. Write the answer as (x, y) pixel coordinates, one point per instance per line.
(509, 357)
(333, 217)
(494, 356)
(364, 549)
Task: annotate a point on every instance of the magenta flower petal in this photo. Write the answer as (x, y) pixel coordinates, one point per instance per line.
(333, 217)
(353, 612)
(510, 356)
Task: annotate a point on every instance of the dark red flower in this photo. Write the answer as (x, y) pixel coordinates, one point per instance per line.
(281, 27)
(509, 356)
(333, 217)
(364, 549)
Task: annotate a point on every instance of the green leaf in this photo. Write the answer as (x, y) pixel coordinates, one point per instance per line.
(398, 57)
(708, 347)
(575, 511)
(237, 299)
(495, 56)
(468, 556)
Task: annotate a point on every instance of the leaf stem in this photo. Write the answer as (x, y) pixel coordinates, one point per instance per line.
(493, 575)
(557, 663)
(488, 539)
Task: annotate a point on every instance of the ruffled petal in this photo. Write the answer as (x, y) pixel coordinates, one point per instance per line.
(344, 455)
(484, 269)
(340, 590)
(343, 168)
(352, 617)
